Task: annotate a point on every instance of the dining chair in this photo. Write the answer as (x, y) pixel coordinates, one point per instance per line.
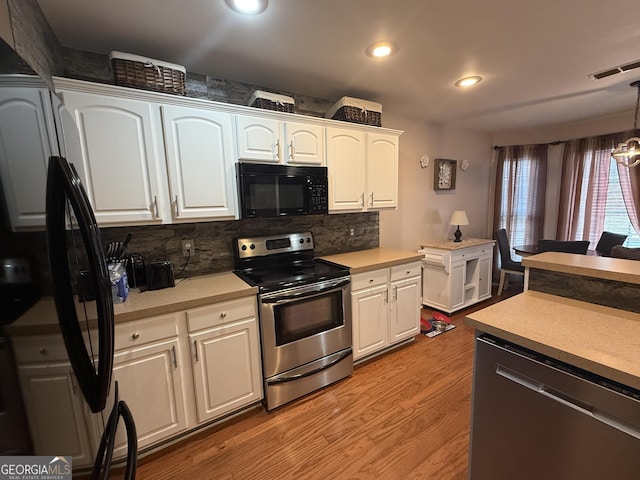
(607, 241)
(566, 246)
(507, 265)
(618, 251)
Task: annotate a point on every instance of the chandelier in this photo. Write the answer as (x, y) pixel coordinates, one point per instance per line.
(627, 153)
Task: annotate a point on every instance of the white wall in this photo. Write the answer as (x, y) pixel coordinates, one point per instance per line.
(423, 214)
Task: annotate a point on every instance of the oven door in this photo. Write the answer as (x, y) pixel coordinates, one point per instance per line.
(305, 324)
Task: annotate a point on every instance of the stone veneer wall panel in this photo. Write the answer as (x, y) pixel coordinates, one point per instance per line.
(609, 293)
(97, 68)
(34, 39)
(213, 241)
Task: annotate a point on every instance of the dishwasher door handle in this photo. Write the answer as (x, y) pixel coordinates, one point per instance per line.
(569, 401)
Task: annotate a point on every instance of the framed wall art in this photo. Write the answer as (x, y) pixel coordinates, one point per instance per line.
(444, 174)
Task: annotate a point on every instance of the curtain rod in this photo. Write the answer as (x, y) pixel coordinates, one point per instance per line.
(557, 142)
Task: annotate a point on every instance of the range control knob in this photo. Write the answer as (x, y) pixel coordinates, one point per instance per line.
(252, 246)
(244, 247)
(302, 240)
(308, 240)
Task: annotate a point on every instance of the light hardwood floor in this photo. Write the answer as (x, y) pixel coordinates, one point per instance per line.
(403, 415)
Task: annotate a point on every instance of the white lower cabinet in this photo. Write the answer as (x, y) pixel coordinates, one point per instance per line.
(167, 394)
(227, 372)
(385, 307)
(59, 420)
(147, 367)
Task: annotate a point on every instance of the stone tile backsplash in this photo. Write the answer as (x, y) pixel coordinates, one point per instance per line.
(213, 240)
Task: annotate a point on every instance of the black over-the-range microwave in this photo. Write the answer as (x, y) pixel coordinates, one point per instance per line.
(278, 190)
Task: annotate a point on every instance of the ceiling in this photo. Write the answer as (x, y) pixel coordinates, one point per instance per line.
(535, 57)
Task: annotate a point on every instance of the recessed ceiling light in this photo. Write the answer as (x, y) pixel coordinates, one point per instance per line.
(468, 81)
(381, 49)
(247, 7)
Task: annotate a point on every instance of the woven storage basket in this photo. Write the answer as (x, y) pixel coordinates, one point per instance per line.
(355, 110)
(147, 73)
(272, 101)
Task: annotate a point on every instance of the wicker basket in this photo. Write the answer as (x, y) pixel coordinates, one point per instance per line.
(272, 101)
(147, 73)
(355, 110)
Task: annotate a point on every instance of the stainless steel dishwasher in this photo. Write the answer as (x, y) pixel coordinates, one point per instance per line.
(537, 418)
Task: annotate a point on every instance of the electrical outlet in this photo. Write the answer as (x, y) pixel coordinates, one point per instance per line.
(351, 231)
(188, 248)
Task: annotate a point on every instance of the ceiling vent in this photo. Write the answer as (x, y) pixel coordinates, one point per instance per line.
(615, 70)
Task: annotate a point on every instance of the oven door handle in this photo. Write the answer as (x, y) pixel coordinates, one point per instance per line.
(291, 378)
(306, 293)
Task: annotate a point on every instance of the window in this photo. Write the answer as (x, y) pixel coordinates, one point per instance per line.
(616, 218)
(520, 192)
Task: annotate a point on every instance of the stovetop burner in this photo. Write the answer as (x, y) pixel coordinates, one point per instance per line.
(279, 277)
(281, 262)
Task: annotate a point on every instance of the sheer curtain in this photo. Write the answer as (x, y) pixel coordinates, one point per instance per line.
(630, 185)
(520, 192)
(584, 185)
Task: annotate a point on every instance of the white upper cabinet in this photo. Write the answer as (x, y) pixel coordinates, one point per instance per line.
(273, 141)
(382, 171)
(27, 140)
(121, 150)
(346, 164)
(200, 160)
(304, 144)
(363, 170)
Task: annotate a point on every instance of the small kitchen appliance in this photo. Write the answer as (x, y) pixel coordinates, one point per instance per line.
(305, 314)
(279, 190)
(160, 275)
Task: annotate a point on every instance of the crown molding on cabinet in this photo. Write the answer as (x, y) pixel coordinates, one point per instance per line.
(168, 99)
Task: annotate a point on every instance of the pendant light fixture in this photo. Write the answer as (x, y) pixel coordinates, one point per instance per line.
(627, 153)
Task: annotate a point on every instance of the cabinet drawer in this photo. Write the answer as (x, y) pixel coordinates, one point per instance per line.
(369, 279)
(146, 331)
(220, 313)
(39, 348)
(407, 270)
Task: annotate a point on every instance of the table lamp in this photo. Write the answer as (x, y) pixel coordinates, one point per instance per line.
(458, 218)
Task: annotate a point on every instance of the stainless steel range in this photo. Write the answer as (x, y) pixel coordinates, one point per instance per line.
(305, 314)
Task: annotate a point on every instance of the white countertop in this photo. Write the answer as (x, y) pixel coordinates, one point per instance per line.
(602, 340)
(371, 259)
(464, 243)
(189, 293)
(617, 269)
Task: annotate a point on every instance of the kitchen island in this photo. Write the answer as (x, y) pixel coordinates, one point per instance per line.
(557, 378)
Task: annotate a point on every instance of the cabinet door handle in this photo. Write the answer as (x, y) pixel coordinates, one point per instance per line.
(223, 314)
(195, 349)
(371, 197)
(395, 293)
(291, 151)
(386, 296)
(175, 357)
(136, 335)
(177, 211)
(278, 149)
(362, 199)
(155, 206)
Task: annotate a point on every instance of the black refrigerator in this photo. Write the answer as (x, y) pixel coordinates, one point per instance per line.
(74, 243)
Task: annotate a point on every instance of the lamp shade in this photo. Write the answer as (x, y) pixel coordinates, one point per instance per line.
(459, 217)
